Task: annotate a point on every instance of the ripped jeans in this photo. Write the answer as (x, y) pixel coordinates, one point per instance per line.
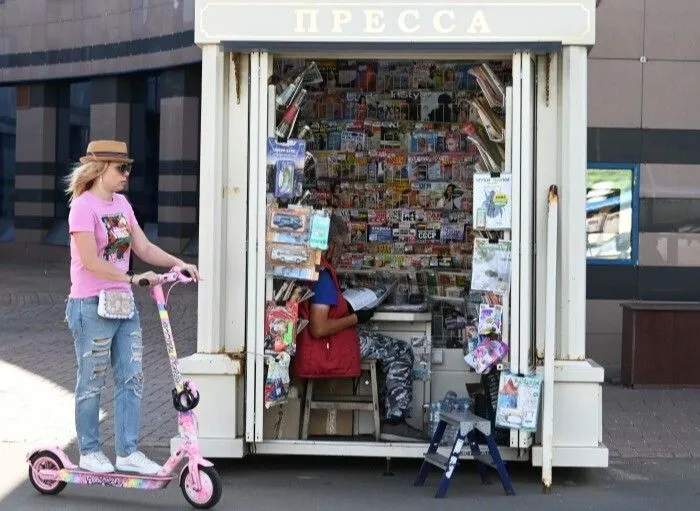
(99, 343)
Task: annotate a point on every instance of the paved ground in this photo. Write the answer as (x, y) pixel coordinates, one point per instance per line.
(37, 375)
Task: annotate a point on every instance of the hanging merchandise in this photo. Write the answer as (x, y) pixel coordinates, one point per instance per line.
(487, 354)
(286, 125)
(518, 401)
(309, 76)
(491, 266)
(490, 319)
(285, 164)
(492, 201)
(280, 327)
(277, 379)
(320, 227)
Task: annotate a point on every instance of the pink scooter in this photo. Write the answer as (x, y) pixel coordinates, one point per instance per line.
(50, 469)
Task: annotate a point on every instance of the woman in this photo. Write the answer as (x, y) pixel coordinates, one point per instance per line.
(104, 232)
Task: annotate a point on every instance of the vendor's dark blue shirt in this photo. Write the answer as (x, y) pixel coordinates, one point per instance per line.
(324, 290)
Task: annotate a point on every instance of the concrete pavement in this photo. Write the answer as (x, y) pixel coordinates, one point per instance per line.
(37, 375)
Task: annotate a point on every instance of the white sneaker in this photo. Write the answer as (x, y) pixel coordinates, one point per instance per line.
(96, 462)
(137, 462)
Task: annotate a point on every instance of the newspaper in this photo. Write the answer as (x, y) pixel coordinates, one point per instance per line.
(366, 298)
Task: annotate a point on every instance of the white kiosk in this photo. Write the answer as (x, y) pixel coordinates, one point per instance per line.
(548, 42)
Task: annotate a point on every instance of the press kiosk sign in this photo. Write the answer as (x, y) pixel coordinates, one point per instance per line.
(412, 64)
(571, 22)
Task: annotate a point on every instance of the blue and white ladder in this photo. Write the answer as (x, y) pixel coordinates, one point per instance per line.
(470, 429)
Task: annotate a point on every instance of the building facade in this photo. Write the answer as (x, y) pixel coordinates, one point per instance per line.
(75, 70)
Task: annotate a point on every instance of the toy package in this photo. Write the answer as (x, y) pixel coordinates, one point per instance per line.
(285, 167)
(287, 254)
(289, 220)
(277, 379)
(488, 353)
(280, 327)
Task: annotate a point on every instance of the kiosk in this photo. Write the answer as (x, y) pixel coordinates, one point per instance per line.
(544, 45)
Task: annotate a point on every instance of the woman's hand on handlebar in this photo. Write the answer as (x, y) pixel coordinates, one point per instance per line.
(151, 277)
(192, 270)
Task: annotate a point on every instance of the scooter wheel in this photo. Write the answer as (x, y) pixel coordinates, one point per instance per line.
(45, 460)
(210, 492)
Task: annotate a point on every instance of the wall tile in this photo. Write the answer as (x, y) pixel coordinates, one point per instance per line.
(614, 93)
(671, 95)
(603, 317)
(671, 30)
(612, 42)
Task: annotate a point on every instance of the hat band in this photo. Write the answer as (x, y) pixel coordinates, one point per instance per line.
(107, 154)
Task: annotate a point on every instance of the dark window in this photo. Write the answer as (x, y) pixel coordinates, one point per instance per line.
(144, 144)
(72, 136)
(8, 131)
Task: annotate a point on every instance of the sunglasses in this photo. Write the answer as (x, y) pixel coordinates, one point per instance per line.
(124, 168)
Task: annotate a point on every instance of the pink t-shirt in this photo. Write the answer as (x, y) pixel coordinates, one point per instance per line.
(111, 222)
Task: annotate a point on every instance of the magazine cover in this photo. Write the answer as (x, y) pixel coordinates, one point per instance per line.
(352, 141)
(424, 167)
(491, 266)
(437, 106)
(367, 75)
(518, 401)
(492, 201)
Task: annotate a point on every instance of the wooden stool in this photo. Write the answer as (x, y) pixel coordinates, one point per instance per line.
(354, 402)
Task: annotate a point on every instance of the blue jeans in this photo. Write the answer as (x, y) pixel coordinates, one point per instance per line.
(100, 342)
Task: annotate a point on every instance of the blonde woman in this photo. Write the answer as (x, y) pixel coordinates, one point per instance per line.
(107, 332)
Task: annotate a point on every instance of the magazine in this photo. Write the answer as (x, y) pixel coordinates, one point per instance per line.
(492, 201)
(518, 402)
(491, 266)
(367, 298)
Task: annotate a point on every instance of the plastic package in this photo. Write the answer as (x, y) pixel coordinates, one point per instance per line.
(450, 403)
(280, 327)
(277, 380)
(488, 353)
(278, 253)
(320, 227)
(289, 220)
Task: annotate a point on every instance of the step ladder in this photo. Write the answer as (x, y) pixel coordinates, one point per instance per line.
(471, 429)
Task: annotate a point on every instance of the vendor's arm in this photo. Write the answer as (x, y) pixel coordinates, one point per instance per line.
(325, 297)
(322, 326)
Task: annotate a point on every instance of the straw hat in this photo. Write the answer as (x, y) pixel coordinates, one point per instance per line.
(106, 150)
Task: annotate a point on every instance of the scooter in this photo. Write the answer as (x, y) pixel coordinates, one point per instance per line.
(50, 469)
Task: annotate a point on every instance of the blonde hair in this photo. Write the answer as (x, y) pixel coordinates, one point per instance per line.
(82, 177)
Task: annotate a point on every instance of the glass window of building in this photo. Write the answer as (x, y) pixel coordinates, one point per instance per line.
(144, 147)
(73, 135)
(8, 130)
(611, 213)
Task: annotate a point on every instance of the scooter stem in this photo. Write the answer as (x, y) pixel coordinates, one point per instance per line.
(158, 296)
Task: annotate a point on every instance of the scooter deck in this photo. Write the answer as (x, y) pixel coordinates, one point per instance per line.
(112, 479)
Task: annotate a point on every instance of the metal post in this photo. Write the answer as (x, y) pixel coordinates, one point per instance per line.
(549, 340)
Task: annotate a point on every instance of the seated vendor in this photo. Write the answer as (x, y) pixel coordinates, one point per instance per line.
(332, 316)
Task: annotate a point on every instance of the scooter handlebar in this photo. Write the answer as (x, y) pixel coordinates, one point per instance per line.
(174, 275)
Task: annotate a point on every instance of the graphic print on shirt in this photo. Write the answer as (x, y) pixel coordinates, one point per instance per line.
(118, 237)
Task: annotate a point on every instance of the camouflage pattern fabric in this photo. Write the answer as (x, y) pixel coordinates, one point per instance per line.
(395, 358)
